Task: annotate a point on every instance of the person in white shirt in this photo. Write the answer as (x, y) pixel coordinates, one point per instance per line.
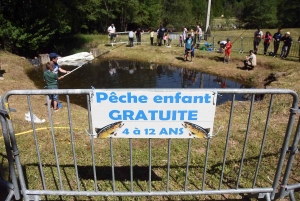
(199, 32)
(250, 60)
(131, 37)
(222, 46)
(112, 32)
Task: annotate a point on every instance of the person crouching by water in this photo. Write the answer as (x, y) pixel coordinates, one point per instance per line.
(51, 79)
(222, 46)
(250, 60)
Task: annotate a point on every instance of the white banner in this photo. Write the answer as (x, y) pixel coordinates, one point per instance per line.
(146, 113)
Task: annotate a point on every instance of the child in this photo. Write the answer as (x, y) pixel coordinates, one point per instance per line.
(228, 47)
(151, 36)
(180, 40)
(51, 79)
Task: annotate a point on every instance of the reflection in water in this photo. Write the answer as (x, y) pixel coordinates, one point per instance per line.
(131, 74)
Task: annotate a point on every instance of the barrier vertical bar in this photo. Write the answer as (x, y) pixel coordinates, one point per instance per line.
(112, 164)
(150, 164)
(92, 142)
(205, 167)
(36, 144)
(54, 145)
(187, 163)
(245, 142)
(168, 164)
(263, 141)
(73, 142)
(227, 140)
(131, 168)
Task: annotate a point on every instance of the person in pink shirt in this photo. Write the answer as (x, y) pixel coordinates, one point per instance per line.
(267, 39)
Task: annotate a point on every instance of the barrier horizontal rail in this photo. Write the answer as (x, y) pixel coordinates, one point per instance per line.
(81, 165)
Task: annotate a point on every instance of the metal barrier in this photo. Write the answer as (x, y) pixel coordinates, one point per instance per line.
(68, 163)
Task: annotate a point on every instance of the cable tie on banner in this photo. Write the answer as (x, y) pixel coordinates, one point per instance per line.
(92, 94)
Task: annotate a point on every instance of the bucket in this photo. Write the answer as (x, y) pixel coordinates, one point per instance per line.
(59, 105)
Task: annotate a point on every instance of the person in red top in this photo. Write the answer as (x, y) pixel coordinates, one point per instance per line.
(267, 39)
(228, 47)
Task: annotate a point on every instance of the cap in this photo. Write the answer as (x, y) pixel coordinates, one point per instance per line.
(288, 33)
(53, 55)
(228, 39)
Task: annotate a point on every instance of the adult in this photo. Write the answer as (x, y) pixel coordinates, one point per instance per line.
(112, 32)
(54, 57)
(267, 39)
(227, 49)
(161, 33)
(184, 33)
(287, 43)
(199, 33)
(277, 37)
(131, 36)
(257, 38)
(299, 48)
(222, 45)
(250, 60)
(138, 34)
(187, 46)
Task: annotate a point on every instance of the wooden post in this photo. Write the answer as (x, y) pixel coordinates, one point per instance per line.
(95, 52)
(44, 58)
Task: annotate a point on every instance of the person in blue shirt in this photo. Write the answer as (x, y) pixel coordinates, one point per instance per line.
(54, 57)
(277, 37)
(187, 46)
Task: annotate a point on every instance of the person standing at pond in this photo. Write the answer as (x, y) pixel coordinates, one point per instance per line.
(138, 34)
(54, 57)
(161, 33)
(276, 37)
(199, 33)
(112, 33)
(299, 48)
(267, 39)
(227, 49)
(187, 46)
(151, 36)
(287, 43)
(51, 80)
(257, 38)
(184, 34)
(131, 37)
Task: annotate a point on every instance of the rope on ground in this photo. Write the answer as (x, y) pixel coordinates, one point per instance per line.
(44, 128)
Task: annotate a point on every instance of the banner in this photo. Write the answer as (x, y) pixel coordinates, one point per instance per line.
(148, 113)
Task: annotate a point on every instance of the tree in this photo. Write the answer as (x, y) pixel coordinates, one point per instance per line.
(255, 14)
(288, 13)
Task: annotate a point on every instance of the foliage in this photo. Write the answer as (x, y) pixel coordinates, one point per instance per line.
(29, 27)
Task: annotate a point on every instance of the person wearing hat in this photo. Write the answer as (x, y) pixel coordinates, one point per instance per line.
(54, 57)
(227, 49)
(287, 43)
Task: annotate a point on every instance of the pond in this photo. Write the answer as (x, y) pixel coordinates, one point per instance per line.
(131, 74)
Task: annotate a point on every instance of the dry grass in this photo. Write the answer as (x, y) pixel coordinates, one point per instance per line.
(209, 62)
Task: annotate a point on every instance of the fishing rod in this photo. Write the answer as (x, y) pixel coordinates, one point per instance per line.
(74, 70)
(87, 62)
(237, 38)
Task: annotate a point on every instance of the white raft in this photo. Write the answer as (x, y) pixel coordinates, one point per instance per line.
(75, 59)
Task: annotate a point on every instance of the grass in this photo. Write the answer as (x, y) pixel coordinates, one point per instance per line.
(16, 70)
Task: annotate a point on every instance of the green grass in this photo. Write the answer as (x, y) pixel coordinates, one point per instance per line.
(204, 61)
